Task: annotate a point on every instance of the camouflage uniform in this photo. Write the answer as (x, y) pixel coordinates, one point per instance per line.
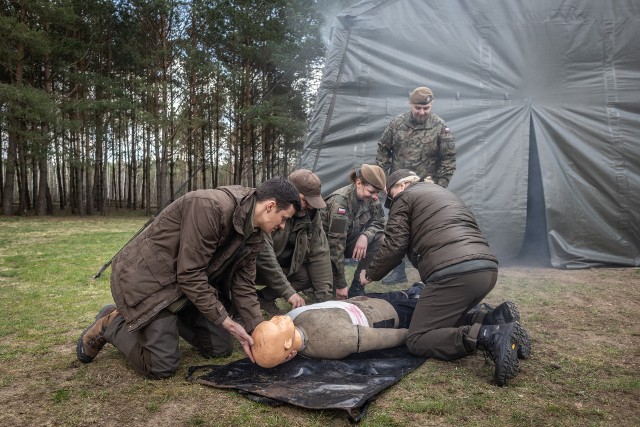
(344, 220)
(428, 148)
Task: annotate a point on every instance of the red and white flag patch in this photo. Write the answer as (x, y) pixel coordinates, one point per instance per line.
(342, 211)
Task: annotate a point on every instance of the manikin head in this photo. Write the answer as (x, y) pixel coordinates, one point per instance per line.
(274, 340)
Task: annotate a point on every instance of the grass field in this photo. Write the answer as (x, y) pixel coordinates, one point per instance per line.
(584, 324)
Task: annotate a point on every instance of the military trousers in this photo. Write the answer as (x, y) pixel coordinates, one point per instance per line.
(154, 350)
(436, 328)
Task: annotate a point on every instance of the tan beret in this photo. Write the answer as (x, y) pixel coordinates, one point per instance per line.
(374, 175)
(421, 95)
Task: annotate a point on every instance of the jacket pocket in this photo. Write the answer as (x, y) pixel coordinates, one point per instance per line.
(338, 225)
(145, 275)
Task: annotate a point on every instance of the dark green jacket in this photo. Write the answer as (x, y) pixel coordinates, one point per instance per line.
(301, 243)
(434, 228)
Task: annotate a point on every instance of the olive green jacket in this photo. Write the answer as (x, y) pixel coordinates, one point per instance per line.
(302, 242)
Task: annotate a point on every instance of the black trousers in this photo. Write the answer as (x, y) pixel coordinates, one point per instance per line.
(401, 304)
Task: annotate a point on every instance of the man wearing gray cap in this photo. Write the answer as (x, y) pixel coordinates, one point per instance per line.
(420, 141)
(296, 257)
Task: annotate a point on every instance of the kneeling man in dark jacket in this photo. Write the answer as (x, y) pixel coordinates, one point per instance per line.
(441, 238)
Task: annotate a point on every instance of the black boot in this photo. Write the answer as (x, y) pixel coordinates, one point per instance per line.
(476, 314)
(356, 289)
(500, 342)
(397, 275)
(524, 343)
(506, 312)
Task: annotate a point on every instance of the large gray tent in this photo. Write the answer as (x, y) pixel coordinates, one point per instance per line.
(542, 96)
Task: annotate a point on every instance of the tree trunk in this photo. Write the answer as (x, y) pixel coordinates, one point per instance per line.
(134, 160)
(23, 180)
(98, 179)
(56, 145)
(42, 201)
(14, 134)
(118, 180)
(130, 149)
(1, 171)
(88, 178)
(148, 173)
(10, 170)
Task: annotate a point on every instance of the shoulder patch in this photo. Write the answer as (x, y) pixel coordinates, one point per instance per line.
(341, 211)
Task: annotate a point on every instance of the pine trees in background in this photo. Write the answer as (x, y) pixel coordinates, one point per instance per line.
(109, 104)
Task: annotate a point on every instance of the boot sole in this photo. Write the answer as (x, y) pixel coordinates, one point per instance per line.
(523, 341)
(509, 366)
(82, 356)
(522, 338)
(511, 313)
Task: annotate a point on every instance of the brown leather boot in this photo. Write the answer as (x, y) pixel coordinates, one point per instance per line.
(92, 339)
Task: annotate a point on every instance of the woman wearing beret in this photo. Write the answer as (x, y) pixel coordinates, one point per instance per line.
(354, 223)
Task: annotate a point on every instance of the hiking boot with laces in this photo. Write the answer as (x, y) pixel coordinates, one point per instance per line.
(506, 312)
(500, 343)
(92, 339)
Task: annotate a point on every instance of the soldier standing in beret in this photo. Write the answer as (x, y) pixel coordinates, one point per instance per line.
(420, 141)
(354, 223)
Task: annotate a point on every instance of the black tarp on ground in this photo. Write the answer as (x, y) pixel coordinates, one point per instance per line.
(348, 384)
(505, 73)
